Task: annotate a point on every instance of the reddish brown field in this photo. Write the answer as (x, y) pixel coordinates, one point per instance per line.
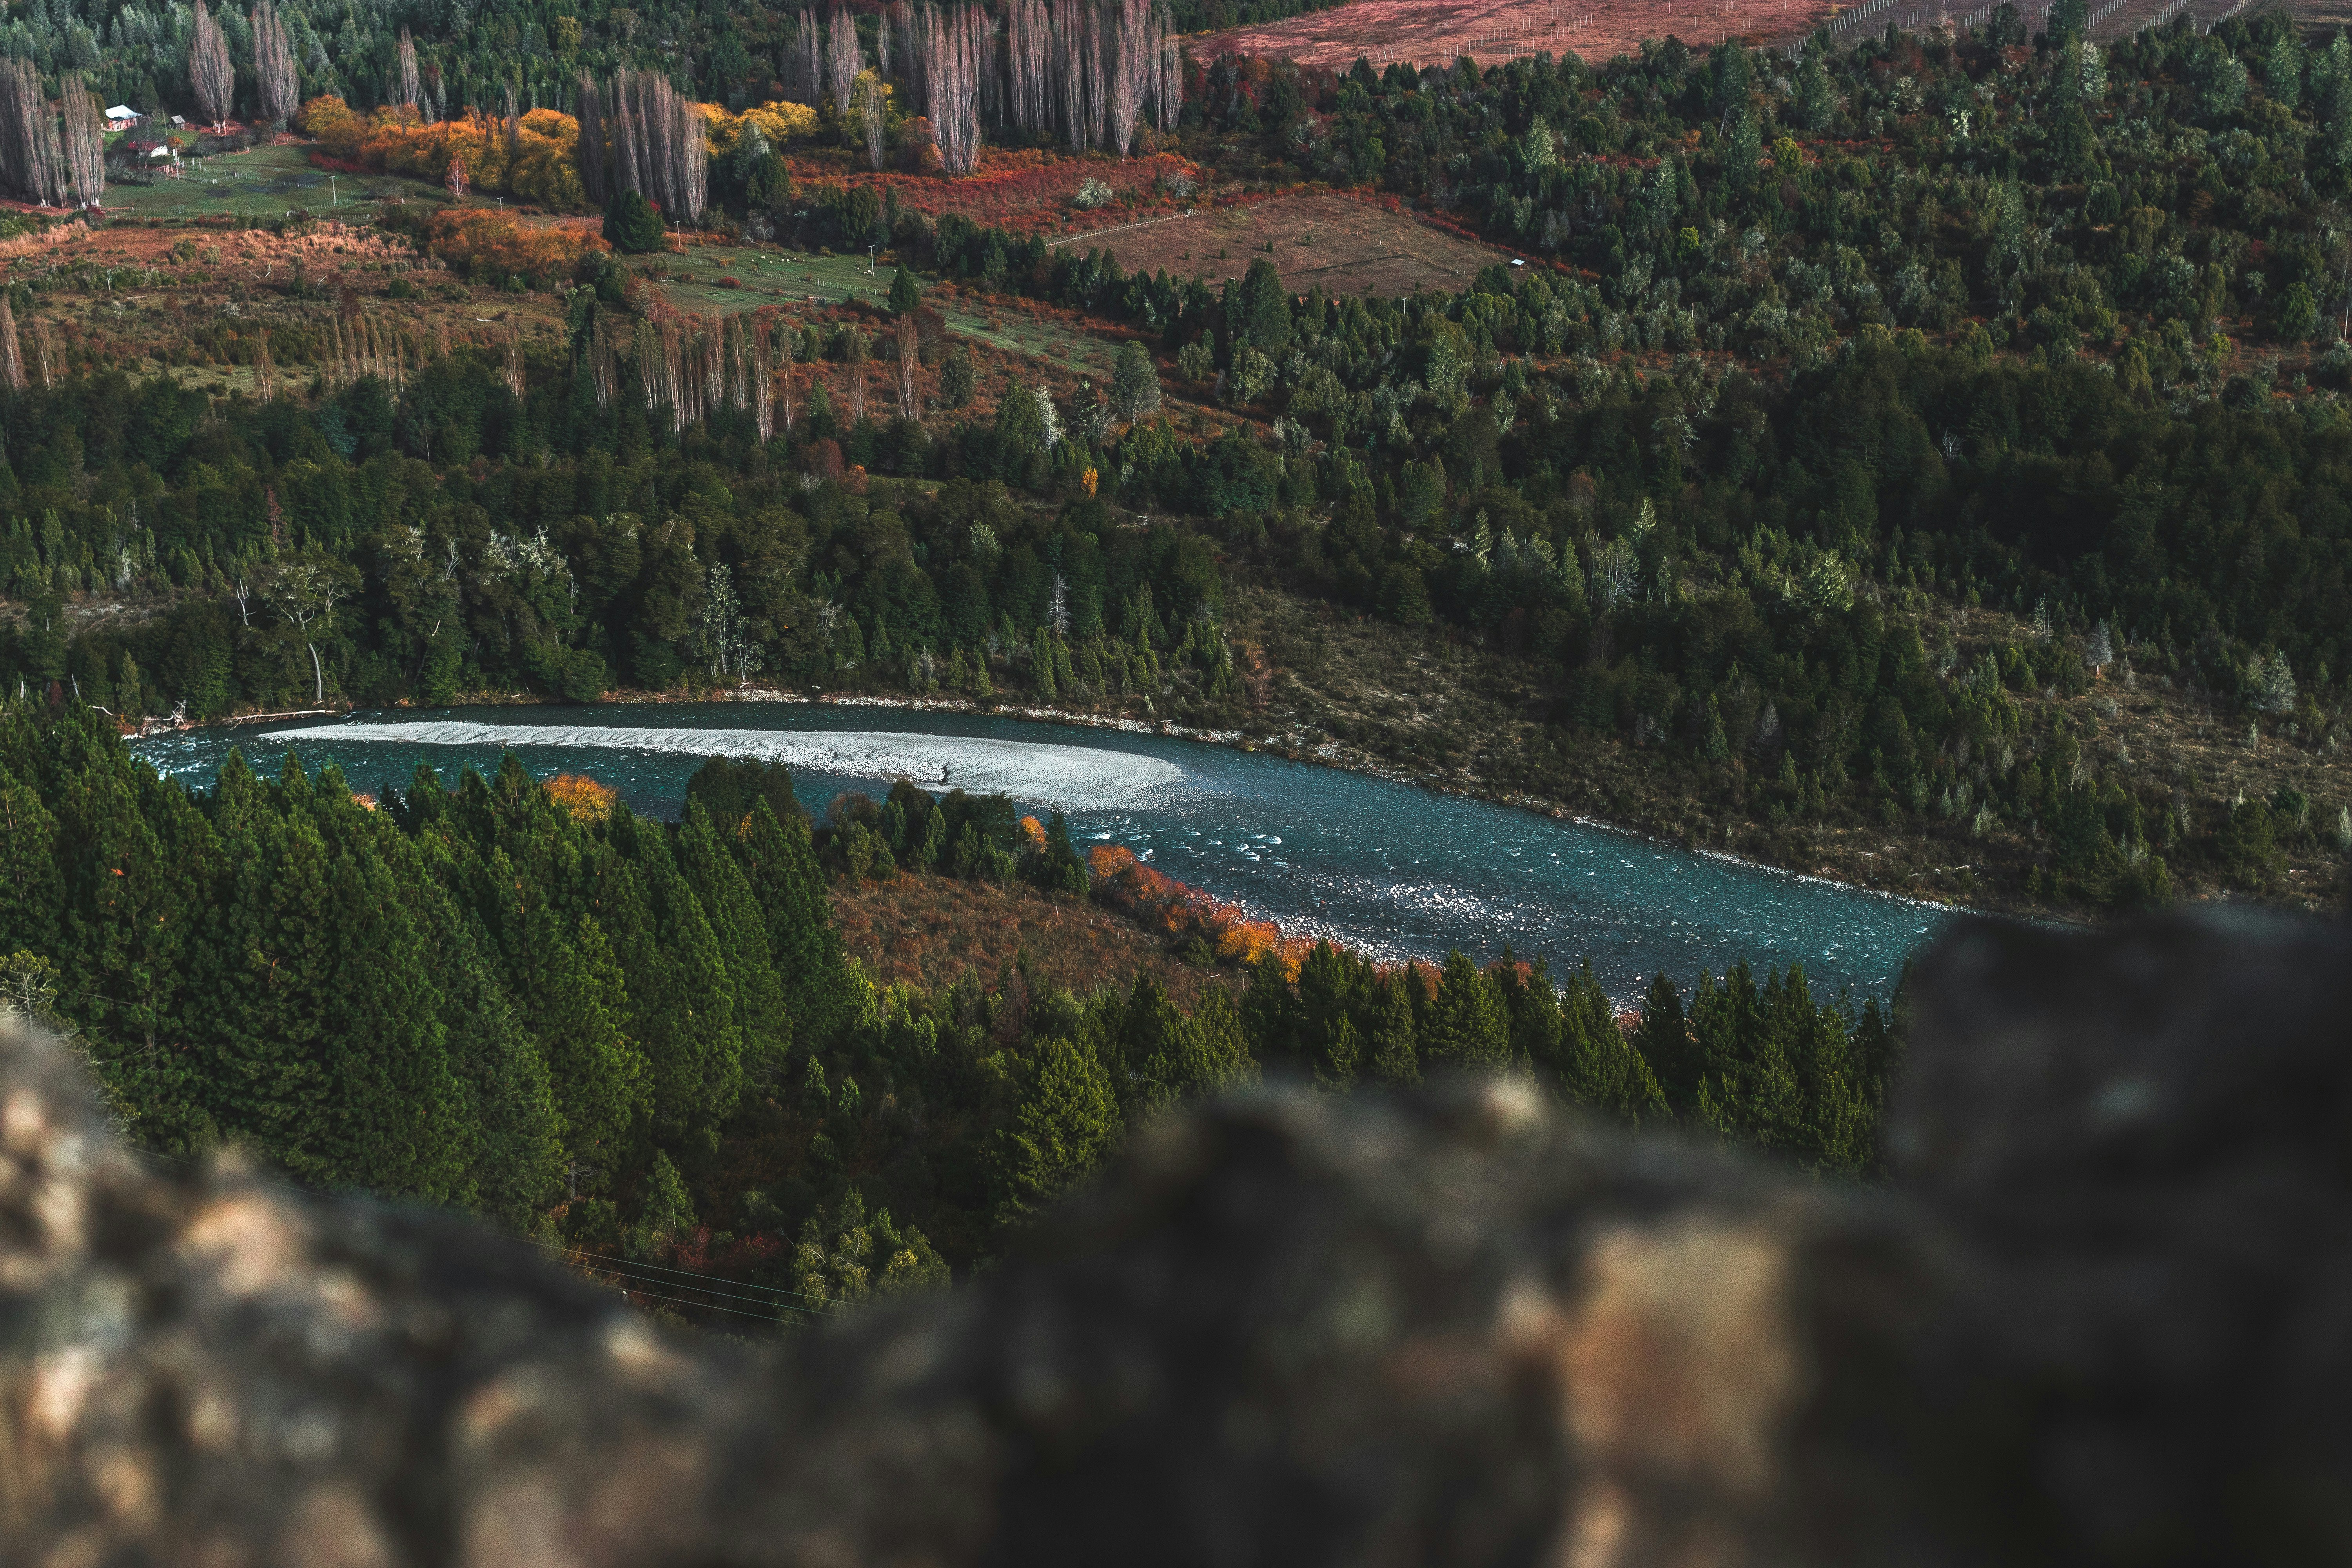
(1340, 243)
(927, 930)
(1438, 32)
(1022, 190)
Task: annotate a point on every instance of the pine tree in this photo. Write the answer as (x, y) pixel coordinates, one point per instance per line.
(32, 890)
(1134, 384)
(1259, 312)
(1467, 1026)
(682, 1011)
(1665, 1040)
(1391, 1057)
(664, 1212)
(631, 224)
(1067, 1120)
(397, 1119)
(718, 884)
(905, 297)
(263, 985)
(820, 994)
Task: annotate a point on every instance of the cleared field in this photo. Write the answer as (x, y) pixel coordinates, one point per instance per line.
(266, 183)
(693, 280)
(1341, 244)
(1438, 32)
(1026, 189)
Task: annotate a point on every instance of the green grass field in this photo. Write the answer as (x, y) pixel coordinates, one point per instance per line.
(266, 183)
(768, 276)
(270, 182)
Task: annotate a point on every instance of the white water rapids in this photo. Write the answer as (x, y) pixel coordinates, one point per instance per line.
(1068, 778)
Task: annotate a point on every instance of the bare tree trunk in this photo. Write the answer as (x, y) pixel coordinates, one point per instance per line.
(853, 360)
(714, 367)
(12, 359)
(32, 164)
(44, 351)
(989, 54)
(1091, 58)
(869, 115)
(412, 86)
(1029, 46)
(1169, 95)
(808, 85)
(601, 366)
(763, 387)
(785, 347)
(273, 65)
(951, 53)
(843, 60)
(84, 155)
(690, 159)
(1070, 33)
(591, 140)
(514, 362)
(264, 379)
(1134, 63)
(209, 71)
(910, 360)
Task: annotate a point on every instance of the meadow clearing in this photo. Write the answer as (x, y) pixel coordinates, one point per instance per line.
(1342, 243)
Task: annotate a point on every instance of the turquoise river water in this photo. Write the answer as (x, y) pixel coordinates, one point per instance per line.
(1396, 870)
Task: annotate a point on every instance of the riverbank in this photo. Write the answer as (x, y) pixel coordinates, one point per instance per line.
(1296, 743)
(1417, 707)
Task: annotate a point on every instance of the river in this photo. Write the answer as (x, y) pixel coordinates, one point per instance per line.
(1396, 870)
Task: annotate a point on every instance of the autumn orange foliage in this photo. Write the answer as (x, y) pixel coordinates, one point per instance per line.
(537, 162)
(489, 246)
(1019, 190)
(583, 796)
(1161, 901)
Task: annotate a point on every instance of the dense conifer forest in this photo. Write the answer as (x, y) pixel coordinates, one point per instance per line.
(1815, 352)
(1842, 430)
(641, 1039)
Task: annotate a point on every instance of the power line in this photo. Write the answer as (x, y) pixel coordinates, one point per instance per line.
(682, 1273)
(699, 1306)
(602, 1266)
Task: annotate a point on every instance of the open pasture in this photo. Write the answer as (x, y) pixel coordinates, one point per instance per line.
(695, 280)
(1341, 244)
(264, 182)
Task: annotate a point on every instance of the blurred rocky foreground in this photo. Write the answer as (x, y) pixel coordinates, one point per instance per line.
(2103, 1319)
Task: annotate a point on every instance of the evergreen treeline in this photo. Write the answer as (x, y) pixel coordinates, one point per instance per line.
(1744, 571)
(645, 1037)
(2117, 198)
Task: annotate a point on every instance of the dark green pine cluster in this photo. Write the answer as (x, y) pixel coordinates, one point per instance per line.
(470, 998)
(643, 1038)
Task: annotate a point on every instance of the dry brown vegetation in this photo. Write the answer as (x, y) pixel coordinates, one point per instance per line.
(1342, 243)
(142, 298)
(1439, 32)
(927, 930)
